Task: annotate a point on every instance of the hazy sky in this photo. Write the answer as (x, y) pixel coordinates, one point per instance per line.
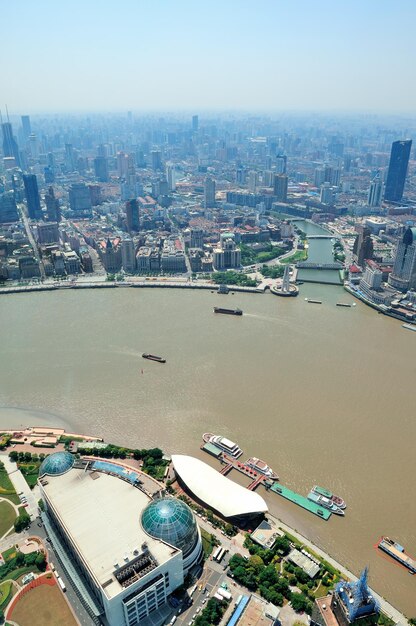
(194, 55)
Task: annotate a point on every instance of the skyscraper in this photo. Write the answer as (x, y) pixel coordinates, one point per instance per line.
(156, 156)
(209, 193)
(27, 129)
(132, 215)
(363, 245)
(396, 176)
(80, 200)
(53, 208)
(375, 191)
(32, 196)
(101, 169)
(403, 276)
(10, 148)
(128, 258)
(280, 187)
(195, 123)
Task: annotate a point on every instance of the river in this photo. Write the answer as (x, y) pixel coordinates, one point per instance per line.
(324, 394)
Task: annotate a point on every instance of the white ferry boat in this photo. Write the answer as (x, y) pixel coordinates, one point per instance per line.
(261, 467)
(325, 502)
(224, 444)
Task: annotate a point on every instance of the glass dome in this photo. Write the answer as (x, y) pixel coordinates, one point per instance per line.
(172, 521)
(56, 464)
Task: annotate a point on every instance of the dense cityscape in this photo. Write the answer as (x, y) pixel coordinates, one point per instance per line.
(203, 419)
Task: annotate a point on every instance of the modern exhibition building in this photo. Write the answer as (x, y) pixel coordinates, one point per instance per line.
(127, 548)
(220, 494)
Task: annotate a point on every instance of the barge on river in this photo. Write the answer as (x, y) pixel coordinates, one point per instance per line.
(396, 551)
(218, 309)
(153, 357)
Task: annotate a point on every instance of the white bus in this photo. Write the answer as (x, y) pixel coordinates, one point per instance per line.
(191, 593)
(173, 620)
(216, 553)
(61, 583)
(220, 556)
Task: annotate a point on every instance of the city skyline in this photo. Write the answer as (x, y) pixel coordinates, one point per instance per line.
(166, 56)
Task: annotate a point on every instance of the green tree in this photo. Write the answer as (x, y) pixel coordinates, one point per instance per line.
(40, 561)
(13, 456)
(21, 522)
(300, 603)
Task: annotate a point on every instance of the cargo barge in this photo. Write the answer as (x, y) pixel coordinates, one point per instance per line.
(218, 309)
(396, 551)
(409, 327)
(313, 301)
(153, 357)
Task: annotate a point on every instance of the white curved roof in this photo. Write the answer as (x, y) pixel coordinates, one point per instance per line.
(217, 491)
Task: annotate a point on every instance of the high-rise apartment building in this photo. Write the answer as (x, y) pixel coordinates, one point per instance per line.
(156, 157)
(32, 196)
(396, 176)
(403, 276)
(375, 192)
(209, 192)
(280, 187)
(195, 123)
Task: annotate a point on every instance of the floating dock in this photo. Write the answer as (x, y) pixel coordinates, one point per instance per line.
(212, 449)
(301, 501)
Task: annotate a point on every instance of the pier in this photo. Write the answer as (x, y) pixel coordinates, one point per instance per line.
(301, 501)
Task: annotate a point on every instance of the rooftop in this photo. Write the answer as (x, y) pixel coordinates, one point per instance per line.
(215, 490)
(101, 514)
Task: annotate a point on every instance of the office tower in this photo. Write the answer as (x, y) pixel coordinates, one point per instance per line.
(226, 254)
(69, 157)
(197, 238)
(319, 176)
(327, 194)
(375, 192)
(101, 169)
(252, 181)
(10, 148)
(128, 257)
(363, 245)
(132, 215)
(49, 175)
(171, 176)
(209, 193)
(8, 208)
(195, 123)
(32, 196)
(156, 157)
(123, 163)
(47, 232)
(280, 187)
(403, 276)
(396, 176)
(80, 200)
(53, 208)
(34, 146)
(27, 129)
(95, 193)
(281, 163)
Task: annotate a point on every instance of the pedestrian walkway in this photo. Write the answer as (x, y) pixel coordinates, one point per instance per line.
(20, 485)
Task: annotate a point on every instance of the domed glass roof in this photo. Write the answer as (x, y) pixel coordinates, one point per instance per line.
(56, 464)
(172, 521)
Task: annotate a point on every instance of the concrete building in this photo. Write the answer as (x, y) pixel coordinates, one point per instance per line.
(47, 232)
(209, 193)
(363, 245)
(80, 200)
(197, 238)
(156, 159)
(8, 208)
(375, 193)
(53, 208)
(403, 276)
(101, 169)
(280, 184)
(72, 262)
(226, 255)
(110, 254)
(172, 258)
(127, 552)
(128, 257)
(132, 215)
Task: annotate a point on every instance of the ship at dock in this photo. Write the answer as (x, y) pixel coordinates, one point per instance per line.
(261, 467)
(224, 444)
(339, 502)
(153, 357)
(218, 309)
(325, 502)
(396, 551)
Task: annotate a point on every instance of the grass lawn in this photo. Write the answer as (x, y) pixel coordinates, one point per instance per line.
(7, 591)
(43, 606)
(9, 554)
(299, 255)
(7, 517)
(207, 544)
(5, 482)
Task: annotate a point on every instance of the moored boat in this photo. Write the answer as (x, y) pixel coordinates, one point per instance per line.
(409, 327)
(325, 502)
(321, 491)
(224, 444)
(396, 551)
(261, 467)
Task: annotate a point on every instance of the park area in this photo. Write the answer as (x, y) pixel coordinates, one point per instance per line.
(7, 517)
(42, 606)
